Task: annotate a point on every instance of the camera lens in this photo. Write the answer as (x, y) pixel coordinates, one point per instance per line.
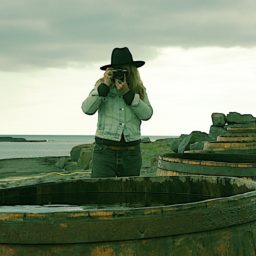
(119, 74)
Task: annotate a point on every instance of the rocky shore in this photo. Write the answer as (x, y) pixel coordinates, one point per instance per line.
(78, 164)
(220, 126)
(12, 139)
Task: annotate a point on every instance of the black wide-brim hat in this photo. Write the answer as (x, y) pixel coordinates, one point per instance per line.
(122, 56)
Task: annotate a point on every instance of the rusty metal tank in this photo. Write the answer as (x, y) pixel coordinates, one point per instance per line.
(231, 146)
(185, 215)
(236, 140)
(239, 137)
(236, 165)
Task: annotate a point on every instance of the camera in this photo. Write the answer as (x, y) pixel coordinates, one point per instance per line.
(119, 74)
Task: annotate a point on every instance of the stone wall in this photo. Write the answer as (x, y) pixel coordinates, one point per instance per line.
(220, 123)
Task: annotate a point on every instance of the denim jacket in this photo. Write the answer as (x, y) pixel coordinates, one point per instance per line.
(115, 117)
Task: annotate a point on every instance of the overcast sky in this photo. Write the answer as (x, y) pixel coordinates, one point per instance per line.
(200, 58)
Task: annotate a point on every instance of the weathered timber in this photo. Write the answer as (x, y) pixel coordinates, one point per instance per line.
(186, 215)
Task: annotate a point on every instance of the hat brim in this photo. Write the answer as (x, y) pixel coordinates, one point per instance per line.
(138, 63)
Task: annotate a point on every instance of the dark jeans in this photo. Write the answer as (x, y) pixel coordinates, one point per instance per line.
(111, 163)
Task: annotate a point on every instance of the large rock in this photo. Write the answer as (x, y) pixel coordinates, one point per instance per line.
(218, 119)
(62, 161)
(145, 140)
(85, 158)
(216, 131)
(174, 146)
(72, 166)
(197, 146)
(195, 136)
(75, 151)
(236, 118)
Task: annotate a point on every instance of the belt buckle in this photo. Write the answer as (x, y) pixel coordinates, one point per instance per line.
(117, 148)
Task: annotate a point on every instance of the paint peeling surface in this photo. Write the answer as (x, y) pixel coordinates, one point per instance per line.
(129, 216)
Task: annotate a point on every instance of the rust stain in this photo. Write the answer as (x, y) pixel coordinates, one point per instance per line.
(161, 172)
(152, 211)
(36, 216)
(171, 159)
(207, 163)
(102, 214)
(103, 251)
(230, 145)
(64, 225)
(223, 248)
(236, 138)
(5, 250)
(167, 210)
(79, 214)
(126, 250)
(11, 216)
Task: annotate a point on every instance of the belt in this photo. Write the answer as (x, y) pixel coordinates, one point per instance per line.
(120, 148)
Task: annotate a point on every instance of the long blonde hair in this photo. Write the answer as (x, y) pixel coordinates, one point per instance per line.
(134, 80)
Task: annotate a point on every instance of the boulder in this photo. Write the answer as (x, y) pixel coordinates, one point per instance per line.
(174, 146)
(145, 140)
(195, 136)
(218, 119)
(85, 158)
(61, 162)
(197, 146)
(75, 151)
(237, 118)
(216, 131)
(72, 166)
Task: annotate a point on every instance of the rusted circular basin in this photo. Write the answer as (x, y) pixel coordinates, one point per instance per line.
(242, 129)
(237, 137)
(185, 215)
(237, 165)
(230, 146)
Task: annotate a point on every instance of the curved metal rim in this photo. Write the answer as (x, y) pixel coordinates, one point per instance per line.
(148, 222)
(173, 162)
(207, 163)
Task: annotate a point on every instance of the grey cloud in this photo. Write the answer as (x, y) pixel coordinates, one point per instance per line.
(48, 33)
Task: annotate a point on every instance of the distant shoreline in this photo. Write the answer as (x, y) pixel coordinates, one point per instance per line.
(58, 145)
(12, 139)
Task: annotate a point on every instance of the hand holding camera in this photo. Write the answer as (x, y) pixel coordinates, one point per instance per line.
(118, 77)
(119, 74)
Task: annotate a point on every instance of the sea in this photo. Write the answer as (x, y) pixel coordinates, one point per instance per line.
(55, 145)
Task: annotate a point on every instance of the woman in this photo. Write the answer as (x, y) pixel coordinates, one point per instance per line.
(122, 102)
